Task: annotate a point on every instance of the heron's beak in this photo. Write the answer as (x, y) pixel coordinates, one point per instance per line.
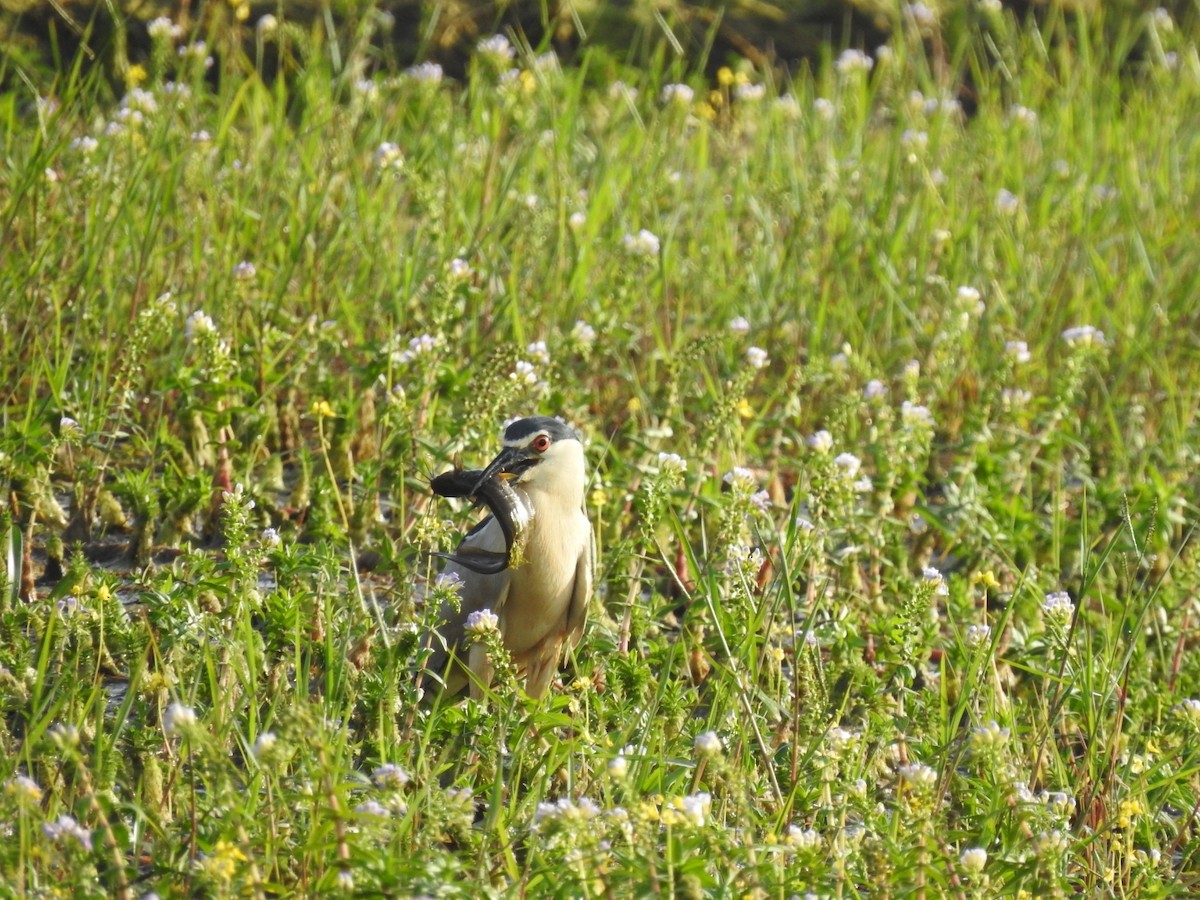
(510, 461)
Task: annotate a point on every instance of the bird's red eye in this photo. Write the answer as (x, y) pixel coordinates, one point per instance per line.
(541, 443)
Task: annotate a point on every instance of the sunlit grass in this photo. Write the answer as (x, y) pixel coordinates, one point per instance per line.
(891, 408)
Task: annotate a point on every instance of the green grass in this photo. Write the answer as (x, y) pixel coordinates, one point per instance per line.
(219, 709)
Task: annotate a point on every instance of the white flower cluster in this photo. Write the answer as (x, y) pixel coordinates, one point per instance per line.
(563, 811)
(644, 243)
(481, 622)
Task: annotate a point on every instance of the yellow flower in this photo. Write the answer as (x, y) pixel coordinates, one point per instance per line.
(135, 75)
(104, 594)
(1129, 809)
(725, 76)
(222, 862)
(986, 578)
(321, 409)
(744, 409)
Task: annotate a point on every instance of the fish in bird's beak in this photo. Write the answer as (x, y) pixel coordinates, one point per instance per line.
(510, 509)
(509, 462)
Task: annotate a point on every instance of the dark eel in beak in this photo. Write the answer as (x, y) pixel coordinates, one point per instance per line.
(509, 508)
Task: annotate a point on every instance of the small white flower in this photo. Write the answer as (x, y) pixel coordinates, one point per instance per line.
(1059, 803)
(989, 737)
(970, 299)
(576, 221)
(695, 808)
(739, 477)
(22, 787)
(1014, 398)
(1022, 115)
(761, 500)
(852, 61)
(1189, 710)
(756, 357)
(163, 29)
(644, 243)
(141, 101)
(973, 860)
(1018, 351)
(263, 744)
(197, 50)
(788, 106)
(619, 90)
(1007, 203)
(367, 89)
(802, 838)
(524, 373)
(66, 827)
(823, 109)
(448, 581)
(85, 145)
(270, 538)
(750, 93)
(914, 141)
(1058, 607)
(919, 775)
(922, 16)
(618, 767)
(1161, 19)
(481, 622)
(874, 389)
(1052, 843)
(941, 589)
(200, 137)
(583, 333)
(372, 808)
(708, 743)
(426, 72)
(178, 719)
(388, 155)
(565, 810)
(740, 325)
(266, 25)
(677, 94)
(978, 635)
(67, 425)
(244, 271)
(389, 776)
(671, 463)
(420, 345)
(912, 414)
(496, 49)
(344, 880)
(848, 463)
(197, 325)
(821, 441)
(537, 350)
(1084, 336)
(840, 740)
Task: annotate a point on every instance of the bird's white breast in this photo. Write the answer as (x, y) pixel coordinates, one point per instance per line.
(543, 582)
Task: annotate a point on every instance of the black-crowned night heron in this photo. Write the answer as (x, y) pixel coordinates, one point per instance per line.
(529, 562)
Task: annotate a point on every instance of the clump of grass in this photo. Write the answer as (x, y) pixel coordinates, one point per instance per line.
(891, 425)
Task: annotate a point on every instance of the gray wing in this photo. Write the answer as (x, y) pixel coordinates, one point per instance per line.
(581, 594)
(478, 592)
